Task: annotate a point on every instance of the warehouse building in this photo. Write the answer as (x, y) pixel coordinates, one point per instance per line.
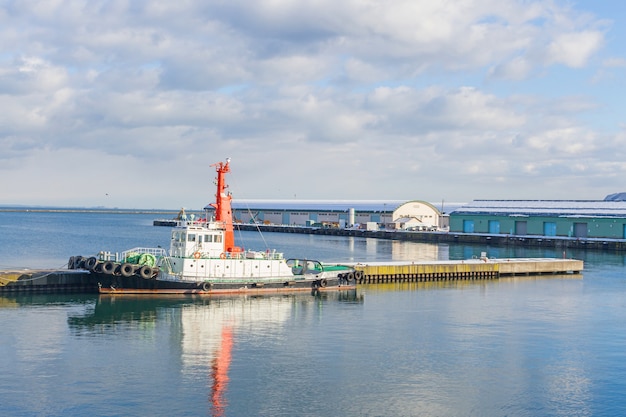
(388, 214)
(603, 219)
(419, 215)
(324, 213)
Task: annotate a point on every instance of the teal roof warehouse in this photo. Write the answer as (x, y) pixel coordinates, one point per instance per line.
(586, 219)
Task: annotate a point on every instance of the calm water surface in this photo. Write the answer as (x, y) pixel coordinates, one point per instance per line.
(514, 347)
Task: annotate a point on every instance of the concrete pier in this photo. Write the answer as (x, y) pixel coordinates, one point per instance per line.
(473, 269)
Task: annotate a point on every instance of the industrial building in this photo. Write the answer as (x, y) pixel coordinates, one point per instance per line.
(601, 219)
(588, 219)
(388, 214)
(419, 215)
(314, 212)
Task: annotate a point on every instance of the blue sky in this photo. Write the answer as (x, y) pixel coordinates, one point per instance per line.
(128, 103)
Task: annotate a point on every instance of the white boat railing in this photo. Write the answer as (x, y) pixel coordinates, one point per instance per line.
(121, 257)
(210, 223)
(198, 253)
(251, 254)
(157, 252)
(161, 253)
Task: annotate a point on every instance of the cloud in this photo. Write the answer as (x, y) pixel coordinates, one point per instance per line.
(518, 68)
(615, 62)
(320, 99)
(574, 49)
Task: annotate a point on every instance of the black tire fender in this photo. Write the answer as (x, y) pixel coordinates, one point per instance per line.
(108, 267)
(78, 262)
(91, 263)
(127, 269)
(145, 272)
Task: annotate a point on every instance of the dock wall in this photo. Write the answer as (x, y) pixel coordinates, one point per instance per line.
(474, 269)
(541, 266)
(450, 238)
(46, 281)
(426, 272)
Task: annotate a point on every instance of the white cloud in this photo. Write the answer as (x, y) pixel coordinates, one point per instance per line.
(322, 99)
(574, 49)
(516, 69)
(614, 62)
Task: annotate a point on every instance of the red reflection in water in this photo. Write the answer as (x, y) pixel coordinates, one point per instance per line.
(220, 372)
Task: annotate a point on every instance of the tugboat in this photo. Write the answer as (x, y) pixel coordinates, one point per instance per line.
(203, 259)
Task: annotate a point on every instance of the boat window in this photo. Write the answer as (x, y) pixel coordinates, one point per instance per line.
(191, 237)
(182, 237)
(218, 238)
(207, 238)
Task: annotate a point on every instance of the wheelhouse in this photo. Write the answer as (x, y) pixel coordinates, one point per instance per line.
(197, 241)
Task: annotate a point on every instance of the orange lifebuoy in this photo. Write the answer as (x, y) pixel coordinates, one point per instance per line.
(197, 255)
(222, 256)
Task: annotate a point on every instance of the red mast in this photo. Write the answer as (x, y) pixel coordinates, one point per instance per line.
(223, 211)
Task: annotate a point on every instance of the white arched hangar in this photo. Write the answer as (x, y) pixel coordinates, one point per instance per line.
(419, 215)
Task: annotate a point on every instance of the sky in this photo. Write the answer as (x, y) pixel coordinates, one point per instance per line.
(128, 103)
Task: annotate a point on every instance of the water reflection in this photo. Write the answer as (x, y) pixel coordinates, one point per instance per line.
(202, 332)
(520, 346)
(221, 363)
(398, 249)
(463, 284)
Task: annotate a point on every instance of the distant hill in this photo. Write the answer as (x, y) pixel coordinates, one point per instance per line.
(615, 197)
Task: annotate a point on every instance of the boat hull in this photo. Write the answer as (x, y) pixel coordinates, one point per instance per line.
(137, 285)
(220, 291)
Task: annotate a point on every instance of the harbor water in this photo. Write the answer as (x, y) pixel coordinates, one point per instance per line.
(525, 346)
